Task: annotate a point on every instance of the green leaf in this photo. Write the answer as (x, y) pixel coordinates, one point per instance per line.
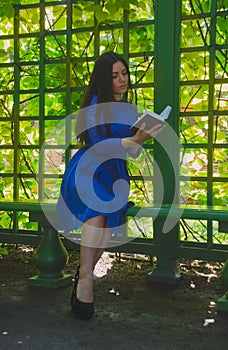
(101, 16)
(28, 129)
(2, 52)
(6, 10)
(93, 8)
(3, 251)
(112, 7)
(123, 4)
(5, 131)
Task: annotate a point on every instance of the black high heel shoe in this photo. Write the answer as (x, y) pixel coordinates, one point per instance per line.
(82, 310)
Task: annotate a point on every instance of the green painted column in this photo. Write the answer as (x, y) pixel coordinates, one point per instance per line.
(50, 257)
(166, 147)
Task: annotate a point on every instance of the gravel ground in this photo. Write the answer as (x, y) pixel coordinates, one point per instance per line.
(130, 314)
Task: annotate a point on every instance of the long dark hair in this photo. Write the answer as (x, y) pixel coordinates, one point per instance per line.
(101, 85)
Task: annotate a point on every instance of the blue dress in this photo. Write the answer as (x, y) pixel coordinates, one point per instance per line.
(96, 180)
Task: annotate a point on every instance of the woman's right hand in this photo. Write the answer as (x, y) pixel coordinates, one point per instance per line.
(134, 142)
(143, 135)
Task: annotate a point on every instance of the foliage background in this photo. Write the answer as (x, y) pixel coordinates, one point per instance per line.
(47, 52)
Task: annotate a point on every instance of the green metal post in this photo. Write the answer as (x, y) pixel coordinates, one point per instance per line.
(16, 107)
(16, 113)
(68, 78)
(211, 107)
(42, 100)
(167, 42)
(50, 256)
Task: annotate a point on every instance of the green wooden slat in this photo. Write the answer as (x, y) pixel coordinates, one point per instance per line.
(68, 79)
(126, 35)
(16, 107)
(96, 32)
(188, 212)
(42, 99)
(202, 48)
(167, 81)
(203, 15)
(137, 246)
(212, 51)
(22, 238)
(16, 112)
(166, 92)
(201, 82)
(211, 106)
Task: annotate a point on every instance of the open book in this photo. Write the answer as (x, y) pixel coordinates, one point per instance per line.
(151, 119)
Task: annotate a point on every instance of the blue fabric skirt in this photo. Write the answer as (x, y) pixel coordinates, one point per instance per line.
(96, 180)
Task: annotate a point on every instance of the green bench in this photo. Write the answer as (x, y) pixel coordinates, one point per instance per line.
(51, 255)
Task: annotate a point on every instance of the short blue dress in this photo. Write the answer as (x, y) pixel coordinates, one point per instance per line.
(96, 180)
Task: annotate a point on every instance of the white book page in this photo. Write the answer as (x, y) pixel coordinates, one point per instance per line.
(151, 119)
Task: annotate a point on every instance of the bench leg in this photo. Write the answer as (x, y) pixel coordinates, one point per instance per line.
(167, 271)
(50, 258)
(222, 303)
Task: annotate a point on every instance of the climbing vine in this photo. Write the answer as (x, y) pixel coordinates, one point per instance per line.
(114, 20)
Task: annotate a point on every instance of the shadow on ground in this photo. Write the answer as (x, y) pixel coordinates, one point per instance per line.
(130, 314)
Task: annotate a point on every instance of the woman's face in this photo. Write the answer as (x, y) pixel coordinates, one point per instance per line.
(120, 79)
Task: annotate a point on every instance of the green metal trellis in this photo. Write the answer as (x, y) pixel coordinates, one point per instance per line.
(45, 35)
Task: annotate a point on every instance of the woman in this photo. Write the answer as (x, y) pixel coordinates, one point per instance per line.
(95, 187)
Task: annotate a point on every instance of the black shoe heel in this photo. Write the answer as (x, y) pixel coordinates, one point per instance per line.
(82, 310)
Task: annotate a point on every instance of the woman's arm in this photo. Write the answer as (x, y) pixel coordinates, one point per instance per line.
(133, 143)
(107, 145)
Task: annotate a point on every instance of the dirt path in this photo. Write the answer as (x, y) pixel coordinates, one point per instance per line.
(130, 314)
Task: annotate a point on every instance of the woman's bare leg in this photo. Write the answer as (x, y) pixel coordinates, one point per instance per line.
(106, 238)
(93, 233)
